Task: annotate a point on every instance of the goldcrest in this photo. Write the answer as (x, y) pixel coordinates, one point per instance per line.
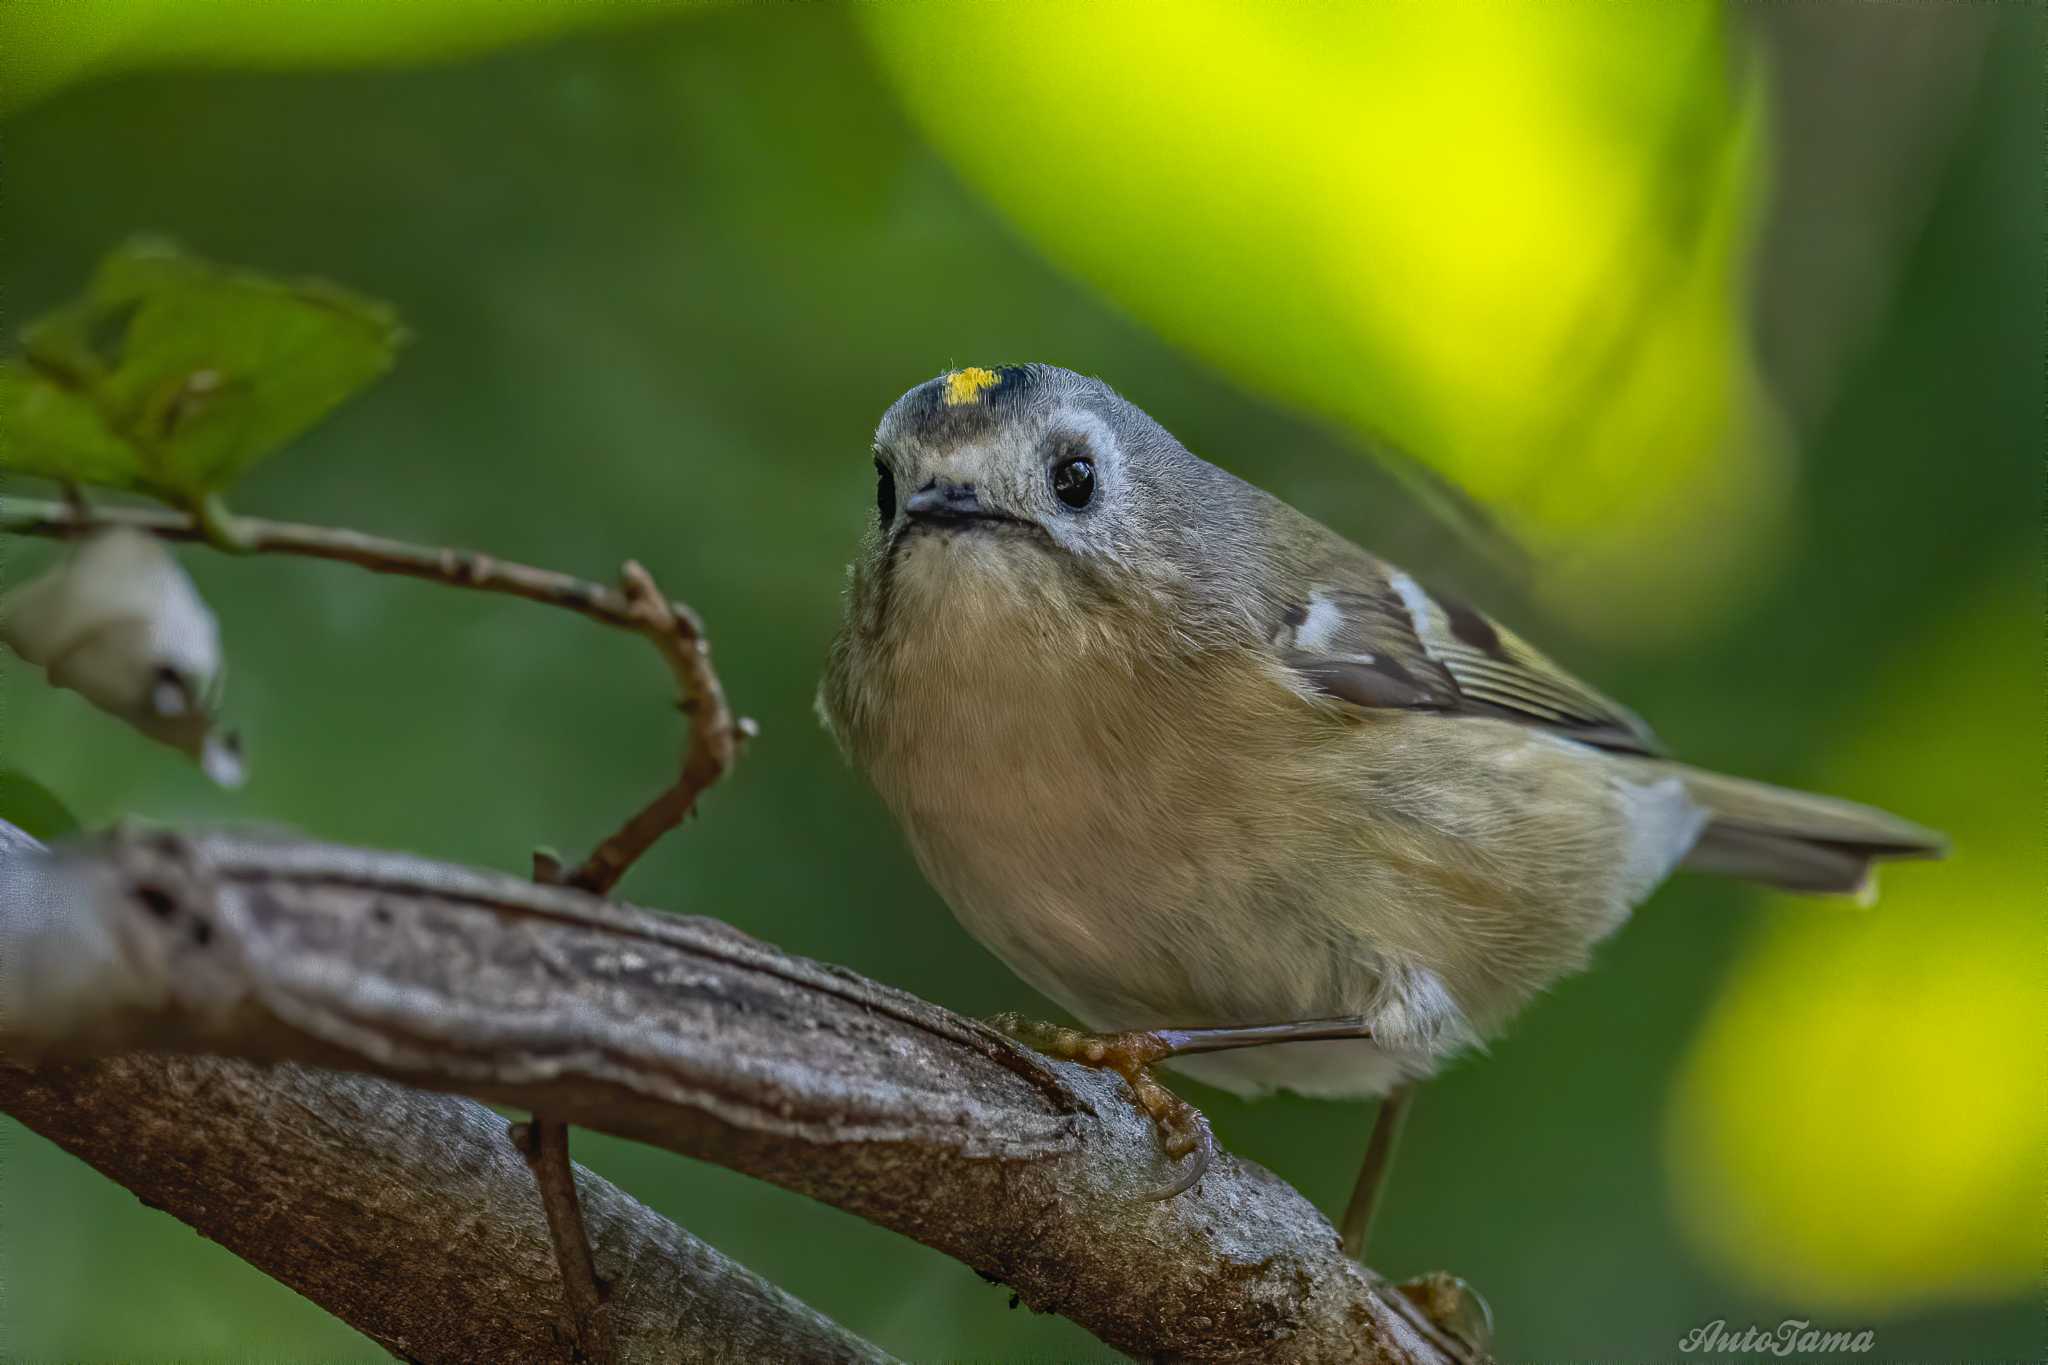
(1182, 756)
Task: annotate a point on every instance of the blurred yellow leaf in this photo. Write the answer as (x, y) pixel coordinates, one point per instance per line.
(46, 44)
(1862, 1120)
(1509, 237)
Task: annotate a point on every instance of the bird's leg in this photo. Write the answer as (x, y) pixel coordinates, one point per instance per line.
(1372, 1175)
(1181, 1127)
(1442, 1307)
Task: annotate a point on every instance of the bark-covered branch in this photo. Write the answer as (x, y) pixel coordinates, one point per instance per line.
(406, 1214)
(639, 605)
(687, 1034)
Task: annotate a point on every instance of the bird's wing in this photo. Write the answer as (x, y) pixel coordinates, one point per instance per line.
(1367, 634)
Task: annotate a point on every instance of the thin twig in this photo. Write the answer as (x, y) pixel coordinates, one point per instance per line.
(715, 737)
(636, 605)
(544, 1142)
(456, 568)
(715, 733)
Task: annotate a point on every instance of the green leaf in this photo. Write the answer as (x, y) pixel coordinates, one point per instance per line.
(194, 372)
(49, 428)
(30, 807)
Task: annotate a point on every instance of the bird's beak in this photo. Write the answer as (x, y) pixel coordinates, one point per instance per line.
(946, 502)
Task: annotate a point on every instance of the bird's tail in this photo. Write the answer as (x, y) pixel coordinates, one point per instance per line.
(1795, 840)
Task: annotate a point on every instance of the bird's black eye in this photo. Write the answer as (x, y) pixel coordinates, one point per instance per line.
(1073, 481)
(885, 493)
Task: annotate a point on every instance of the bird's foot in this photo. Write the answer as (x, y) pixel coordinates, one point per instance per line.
(1181, 1127)
(1445, 1309)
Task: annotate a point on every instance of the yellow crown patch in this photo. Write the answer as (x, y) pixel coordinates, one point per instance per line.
(964, 386)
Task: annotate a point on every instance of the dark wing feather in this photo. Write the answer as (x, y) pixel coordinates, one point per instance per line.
(1372, 636)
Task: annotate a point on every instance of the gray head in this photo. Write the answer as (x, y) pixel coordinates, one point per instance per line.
(1035, 481)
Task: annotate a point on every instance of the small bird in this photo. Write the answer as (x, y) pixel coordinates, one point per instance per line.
(1209, 775)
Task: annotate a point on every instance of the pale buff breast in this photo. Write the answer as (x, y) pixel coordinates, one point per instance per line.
(1186, 840)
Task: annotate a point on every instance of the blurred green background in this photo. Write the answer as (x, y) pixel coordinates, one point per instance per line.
(1732, 320)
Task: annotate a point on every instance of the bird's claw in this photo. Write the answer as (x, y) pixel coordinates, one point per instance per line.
(1455, 1310)
(1182, 1129)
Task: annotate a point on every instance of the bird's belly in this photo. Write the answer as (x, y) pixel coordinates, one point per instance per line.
(1090, 898)
(1146, 896)
(1187, 943)
(1429, 874)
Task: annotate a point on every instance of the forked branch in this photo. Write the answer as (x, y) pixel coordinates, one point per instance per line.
(637, 605)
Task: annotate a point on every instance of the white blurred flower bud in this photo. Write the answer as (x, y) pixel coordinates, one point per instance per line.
(119, 623)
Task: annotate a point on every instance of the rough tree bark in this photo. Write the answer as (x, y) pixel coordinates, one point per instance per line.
(680, 1032)
(638, 605)
(406, 1214)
